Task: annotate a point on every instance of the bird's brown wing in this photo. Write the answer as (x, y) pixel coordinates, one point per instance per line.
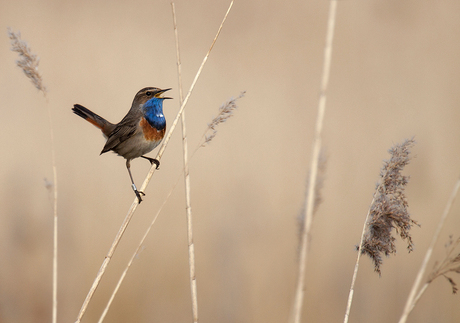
(123, 131)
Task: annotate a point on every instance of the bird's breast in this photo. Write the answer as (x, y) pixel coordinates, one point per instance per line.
(151, 133)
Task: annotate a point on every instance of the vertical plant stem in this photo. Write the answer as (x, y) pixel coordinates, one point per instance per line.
(412, 299)
(135, 203)
(355, 271)
(184, 103)
(55, 218)
(300, 290)
(188, 207)
(29, 62)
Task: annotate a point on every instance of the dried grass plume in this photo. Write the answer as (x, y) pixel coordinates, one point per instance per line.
(450, 264)
(389, 209)
(225, 112)
(27, 61)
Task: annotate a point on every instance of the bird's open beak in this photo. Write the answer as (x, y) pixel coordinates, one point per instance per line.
(158, 95)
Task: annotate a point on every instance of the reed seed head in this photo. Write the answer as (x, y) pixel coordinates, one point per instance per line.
(450, 264)
(225, 112)
(389, 209)
(27, 61)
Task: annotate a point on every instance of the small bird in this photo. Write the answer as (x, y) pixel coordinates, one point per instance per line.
(138, 133)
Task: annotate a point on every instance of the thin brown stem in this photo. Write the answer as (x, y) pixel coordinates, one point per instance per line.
(28, 62)
(55, 218)
(309, 207)
(355, 271)
(412, 298)
(188, 207)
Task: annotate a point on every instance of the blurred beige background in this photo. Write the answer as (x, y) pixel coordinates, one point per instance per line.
(395, 74)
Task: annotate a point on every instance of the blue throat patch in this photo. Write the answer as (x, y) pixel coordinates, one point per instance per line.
(153, 112)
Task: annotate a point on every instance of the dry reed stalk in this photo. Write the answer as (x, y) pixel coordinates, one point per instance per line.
(136, 252)
(28, 62)
(318, 197)
(412, 298)
(188, 205)
(388, 211)
(135, 203)
(309, 202)
(449, 264)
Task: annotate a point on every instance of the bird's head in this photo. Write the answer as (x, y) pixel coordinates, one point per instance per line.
(147, 94)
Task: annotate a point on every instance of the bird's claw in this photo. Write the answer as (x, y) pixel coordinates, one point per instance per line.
(138, 193)
(152, 161)
(156, 162)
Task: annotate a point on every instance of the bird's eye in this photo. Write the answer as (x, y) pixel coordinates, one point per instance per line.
(148, 93)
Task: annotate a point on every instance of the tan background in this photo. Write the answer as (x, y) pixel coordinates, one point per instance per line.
(395, 74)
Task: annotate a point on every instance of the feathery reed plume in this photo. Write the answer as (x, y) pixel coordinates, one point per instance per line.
(225, 112)
(389, 209)
(450, 264)
(27, 61)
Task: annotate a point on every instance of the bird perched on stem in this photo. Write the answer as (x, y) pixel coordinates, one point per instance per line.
(138, 133)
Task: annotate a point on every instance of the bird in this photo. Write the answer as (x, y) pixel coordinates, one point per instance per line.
(138, 133)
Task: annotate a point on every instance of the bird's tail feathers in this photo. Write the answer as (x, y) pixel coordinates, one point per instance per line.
(93, 118)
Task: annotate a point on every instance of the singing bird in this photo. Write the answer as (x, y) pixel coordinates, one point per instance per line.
(138, 133)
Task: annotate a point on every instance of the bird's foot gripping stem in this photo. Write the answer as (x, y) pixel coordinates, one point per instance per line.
(138, 193)
(152, 161)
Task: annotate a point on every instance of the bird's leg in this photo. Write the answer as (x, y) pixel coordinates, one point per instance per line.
(152, 161)
(138, 193)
